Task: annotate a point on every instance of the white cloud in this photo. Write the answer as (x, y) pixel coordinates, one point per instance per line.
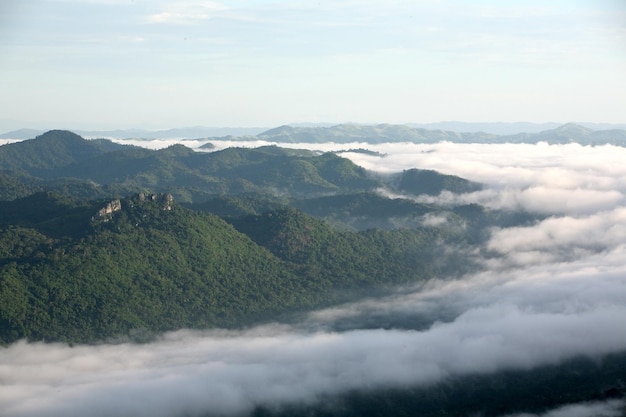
(186, 12)
(546, 179)
(600, 231)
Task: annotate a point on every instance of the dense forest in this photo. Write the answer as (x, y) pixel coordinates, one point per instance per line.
(64, 162)
(69, 273)
(95, 244)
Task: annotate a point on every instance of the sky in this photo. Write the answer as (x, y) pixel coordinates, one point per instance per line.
(156, 64)
(554, 291)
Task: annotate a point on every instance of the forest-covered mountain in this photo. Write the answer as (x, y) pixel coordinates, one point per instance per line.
(83, 271)
(95, 242)
(62, 161)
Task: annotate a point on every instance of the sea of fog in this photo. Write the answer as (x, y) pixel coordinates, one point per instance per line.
(556, 291)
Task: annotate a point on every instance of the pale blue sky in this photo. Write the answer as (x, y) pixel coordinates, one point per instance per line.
(156, 64)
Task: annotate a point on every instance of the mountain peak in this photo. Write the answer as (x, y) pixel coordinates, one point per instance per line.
(277, 131)
(573, 128)
(52, 149)
(64, 135)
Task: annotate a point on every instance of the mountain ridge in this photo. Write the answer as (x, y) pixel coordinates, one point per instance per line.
(382, 133)
(90, 166)
(451, 131)
(90, 270)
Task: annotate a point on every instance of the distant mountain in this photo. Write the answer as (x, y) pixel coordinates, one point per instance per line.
(321, 132)
(569, 133)
(496, 128)
(347, 133)
(178, 133)
(21, 134)
(573, 133)
(458, 132)
(509, 128)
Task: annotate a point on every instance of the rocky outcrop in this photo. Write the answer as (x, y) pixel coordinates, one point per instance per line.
(106, 213)
(165, 200)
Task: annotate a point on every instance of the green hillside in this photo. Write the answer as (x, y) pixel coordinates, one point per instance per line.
(94, 243)
(85, 271)
(52, 149)
(143, 267)
(63, 162)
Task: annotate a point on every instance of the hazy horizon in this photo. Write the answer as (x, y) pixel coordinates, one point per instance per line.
(105, 64)
(29, 131)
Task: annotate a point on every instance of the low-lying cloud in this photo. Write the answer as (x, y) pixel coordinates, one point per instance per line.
(539, 178)
(548, 292)
(542, 178)
(190, 373)
(611, 408)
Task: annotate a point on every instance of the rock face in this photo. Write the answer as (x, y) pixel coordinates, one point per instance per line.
(165, 200)
(106, 213)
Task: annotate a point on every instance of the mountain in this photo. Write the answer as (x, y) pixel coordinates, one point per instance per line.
(346, 133)
(138, 265)
(64, 162)
(82, 271)
(51, 214)
(92, 244)
(496, 128)
(428, 182)
(321, 132)
(50, 150)
(569, 133)
(181, 133)
(21, 134)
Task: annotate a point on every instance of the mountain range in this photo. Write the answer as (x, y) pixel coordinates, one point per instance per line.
(108, 243)
(591, 134)
(569, 133)
(123, 219)
(65, 162)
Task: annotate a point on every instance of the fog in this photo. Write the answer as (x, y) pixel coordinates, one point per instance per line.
(546, 293)
(612, 408)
